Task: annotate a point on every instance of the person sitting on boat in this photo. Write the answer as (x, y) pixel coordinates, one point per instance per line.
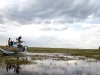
(19, 39)
(19, 45)
(9, 44)
(12, 43)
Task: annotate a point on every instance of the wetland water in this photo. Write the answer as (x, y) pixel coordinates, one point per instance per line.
(48, 64)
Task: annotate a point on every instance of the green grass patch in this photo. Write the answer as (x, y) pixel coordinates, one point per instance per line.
(92, 53)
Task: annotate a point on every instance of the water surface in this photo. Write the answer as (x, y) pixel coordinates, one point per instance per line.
(49, 64)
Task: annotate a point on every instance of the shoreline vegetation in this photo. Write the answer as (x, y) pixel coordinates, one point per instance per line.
(90, 53)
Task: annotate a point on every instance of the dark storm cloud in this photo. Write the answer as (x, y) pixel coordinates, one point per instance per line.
(70, 10)
(47, 22)
(97, 14)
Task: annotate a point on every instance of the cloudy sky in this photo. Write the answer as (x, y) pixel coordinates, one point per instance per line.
(51, 23)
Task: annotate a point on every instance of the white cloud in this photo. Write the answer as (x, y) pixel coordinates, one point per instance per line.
(49, 23)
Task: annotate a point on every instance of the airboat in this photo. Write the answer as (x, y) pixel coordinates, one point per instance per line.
(19, 47)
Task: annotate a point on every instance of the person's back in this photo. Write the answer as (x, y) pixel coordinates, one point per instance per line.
(19, 39)
(9, 42)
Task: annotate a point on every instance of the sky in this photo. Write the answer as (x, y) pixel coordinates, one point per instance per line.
(51, 23)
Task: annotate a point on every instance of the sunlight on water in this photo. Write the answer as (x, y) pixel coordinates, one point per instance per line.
(50, 64)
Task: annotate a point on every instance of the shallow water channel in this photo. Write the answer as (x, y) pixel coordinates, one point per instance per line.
(48, 64)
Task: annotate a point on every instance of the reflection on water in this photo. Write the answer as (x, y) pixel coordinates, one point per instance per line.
(15, 67)
(49, 64)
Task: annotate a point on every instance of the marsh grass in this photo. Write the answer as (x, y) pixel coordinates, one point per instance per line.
(91, 53)
(19, 62)
(14, 60)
